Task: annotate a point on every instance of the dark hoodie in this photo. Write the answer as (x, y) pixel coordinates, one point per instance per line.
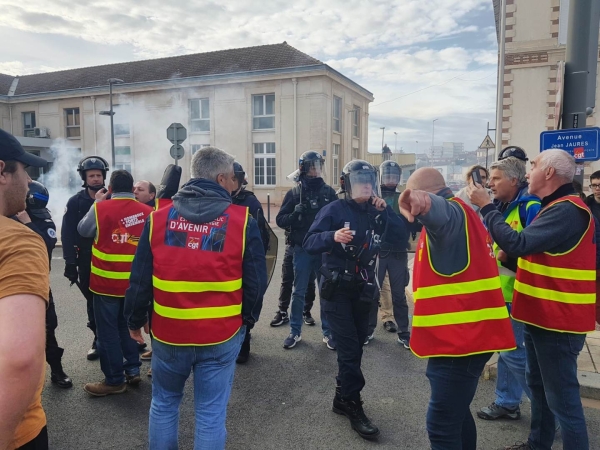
(199, 201)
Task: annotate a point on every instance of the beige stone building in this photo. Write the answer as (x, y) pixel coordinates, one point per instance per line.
(536, 33)
(266, 105)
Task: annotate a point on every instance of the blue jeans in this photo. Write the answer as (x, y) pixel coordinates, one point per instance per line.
(552, 378)
(213, 367)
(511, 382)
(304, 264)
(453, 381)
(114, 342)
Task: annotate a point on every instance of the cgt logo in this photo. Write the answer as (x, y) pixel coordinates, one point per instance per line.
(193, 243)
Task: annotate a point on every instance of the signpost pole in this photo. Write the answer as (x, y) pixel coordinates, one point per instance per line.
(175, 144)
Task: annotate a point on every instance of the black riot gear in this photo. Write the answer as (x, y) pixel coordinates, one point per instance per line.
(514, 151)
(37, 200)
(309, 160)
(390, 173)
(92, 163)
(359, 179)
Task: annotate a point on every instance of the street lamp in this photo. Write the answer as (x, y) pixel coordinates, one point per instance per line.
(433, 135)
(396, 142)
(382, 135)
(111, 113)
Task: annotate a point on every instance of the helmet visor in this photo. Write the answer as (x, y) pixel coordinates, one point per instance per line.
(314, 169)
(362, 185)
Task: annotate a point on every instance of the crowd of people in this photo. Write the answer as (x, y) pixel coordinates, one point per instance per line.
(507, 265)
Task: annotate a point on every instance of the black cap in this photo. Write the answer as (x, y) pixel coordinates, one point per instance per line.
(12, 150)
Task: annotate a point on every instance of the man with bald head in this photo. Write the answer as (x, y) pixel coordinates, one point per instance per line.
(460, 318)
(144, 192)
(554, 294)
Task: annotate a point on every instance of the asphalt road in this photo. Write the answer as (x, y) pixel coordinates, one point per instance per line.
(280, 399)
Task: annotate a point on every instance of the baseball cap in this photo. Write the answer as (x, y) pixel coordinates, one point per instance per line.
(11, 149)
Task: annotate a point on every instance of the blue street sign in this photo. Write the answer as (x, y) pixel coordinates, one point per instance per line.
(582, 143)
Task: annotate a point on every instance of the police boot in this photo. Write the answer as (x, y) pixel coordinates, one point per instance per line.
(244, 351)
(59, 377)
(353, 410)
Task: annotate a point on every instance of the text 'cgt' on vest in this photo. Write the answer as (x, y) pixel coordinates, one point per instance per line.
(463, 313)
(197, 276)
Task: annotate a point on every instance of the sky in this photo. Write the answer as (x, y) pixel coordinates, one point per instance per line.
(421, 59)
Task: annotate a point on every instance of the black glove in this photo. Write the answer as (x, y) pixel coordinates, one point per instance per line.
(299, 209)
(71, 272)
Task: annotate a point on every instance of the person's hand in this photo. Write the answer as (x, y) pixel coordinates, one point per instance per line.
(378, 203)
(23, 217)
(71, 272)
(136, 335)
(101, 195)
(478, 195)
(299, 209)
(413, 203)
(343, 235)
(502, 256)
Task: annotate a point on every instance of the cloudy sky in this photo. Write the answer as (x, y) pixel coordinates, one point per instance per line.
(422, 59)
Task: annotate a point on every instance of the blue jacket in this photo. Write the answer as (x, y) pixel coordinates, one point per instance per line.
(523, 197)
(199, 201)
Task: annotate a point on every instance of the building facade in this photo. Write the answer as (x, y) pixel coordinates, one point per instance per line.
(266, 105)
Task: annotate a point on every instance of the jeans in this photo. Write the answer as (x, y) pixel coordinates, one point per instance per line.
(453, 381)
(304, 264)
(213, 367)
(114, 342)
(552, 378)
(287, 282)
(511, 382)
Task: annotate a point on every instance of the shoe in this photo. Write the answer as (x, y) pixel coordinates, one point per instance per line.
(291, 341)
(149, 372)
(92, 353)
(141, 347)
(147, 356)
(101, 389)
(359, 422)
(390, 326)
(518, 446)
(308, 320)
(280, 318)
(244, 351)
(133, 380)
(404, 340)
(61, 379)
(330, 342)
(495, 411)
(369, 338)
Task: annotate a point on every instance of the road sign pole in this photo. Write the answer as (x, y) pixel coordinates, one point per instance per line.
(175, 144)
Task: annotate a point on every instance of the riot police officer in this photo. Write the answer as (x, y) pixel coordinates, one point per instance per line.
(298, 210)
(347, 235)
(37, 217)
(77, 250)
(243, 197)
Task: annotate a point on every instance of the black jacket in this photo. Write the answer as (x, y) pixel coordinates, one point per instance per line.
(248, 199)
(77, 208)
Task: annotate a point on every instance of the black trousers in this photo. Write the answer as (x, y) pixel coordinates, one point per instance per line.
(40, 442)
(53, 351)
(287, 283)
(84, 266)
(348, 316)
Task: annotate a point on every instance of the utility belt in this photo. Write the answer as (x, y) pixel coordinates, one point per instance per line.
(348, 281)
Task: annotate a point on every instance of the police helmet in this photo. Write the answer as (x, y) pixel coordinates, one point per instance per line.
(90, 163)
(514, 151)
(359, 180)
(390, 173)
(240, 175)
(309, 160)
(37, 200)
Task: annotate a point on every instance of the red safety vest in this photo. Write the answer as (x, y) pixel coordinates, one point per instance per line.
(197, 276)
(160, 203)
(119, 224)
(463, 313)
(558, 291)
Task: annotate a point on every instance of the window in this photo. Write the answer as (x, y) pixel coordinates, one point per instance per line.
(123, 158)
(337, 114)
(196, 147)
(263, 112)
(28, 124)
(354, 152)
(336, 164)
(199, 115)
(73, 130)
(355, 121)
(264, 164)
(121, 120)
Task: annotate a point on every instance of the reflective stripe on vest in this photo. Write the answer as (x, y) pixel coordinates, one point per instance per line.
(160, 203)
(119, 224)
(463, 313)
(197, 276)
(557, 292)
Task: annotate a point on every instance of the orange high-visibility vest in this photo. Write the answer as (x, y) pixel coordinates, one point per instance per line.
(463, 313)
(558, 291)
(197, 276)
(160, 203)
(119, 224)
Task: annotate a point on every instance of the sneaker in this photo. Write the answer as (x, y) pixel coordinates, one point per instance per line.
(101, 389)
(518, 446)
(147, 356)
(390, 326)
(330, 342)
(92, 353)
(280, 318)
(308, 320)
(291, 341)
(495, 411)
(369, 338)
(149, 372)
(133, 380)
(404, 340)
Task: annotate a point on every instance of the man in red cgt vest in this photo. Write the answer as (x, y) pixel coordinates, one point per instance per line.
(116, 226)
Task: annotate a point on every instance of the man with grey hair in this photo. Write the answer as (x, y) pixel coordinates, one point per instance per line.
(554, 294)
(201, 264)
(511, 197)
